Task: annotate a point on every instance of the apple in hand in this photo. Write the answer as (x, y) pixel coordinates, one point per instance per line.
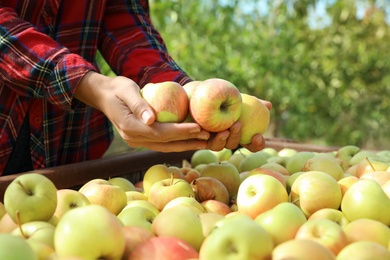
(15, 247)
(68, 199)
(254, 118)
(90, 232)
(215, 104)
(32, 196)
(168, 100)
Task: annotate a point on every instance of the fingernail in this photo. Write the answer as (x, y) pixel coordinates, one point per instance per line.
(203, 137)
(195, 130)
(146, 116)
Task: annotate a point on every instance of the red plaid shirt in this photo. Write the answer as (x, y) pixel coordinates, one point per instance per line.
(46, 46)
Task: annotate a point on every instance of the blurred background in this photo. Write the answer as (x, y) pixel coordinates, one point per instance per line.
(325, 65)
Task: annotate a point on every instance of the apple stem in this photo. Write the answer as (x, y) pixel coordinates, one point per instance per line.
(172, 177)
(24, 188)
(372, 166)
(19, 224)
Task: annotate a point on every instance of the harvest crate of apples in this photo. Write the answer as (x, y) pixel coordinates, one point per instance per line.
(287, 201)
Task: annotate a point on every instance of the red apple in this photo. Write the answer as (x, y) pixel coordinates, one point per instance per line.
(216, 206)
(134, 236)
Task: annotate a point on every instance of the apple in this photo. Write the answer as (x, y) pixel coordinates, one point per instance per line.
(2, 210)
(166, 190)
(41, 250)
(15, 248)
(102, 192)
(280, 177)
(31, 196)
(135, 236)
(368, 229)
(259, 193)
(324, 163)
(216, 206)
(302, 249)
(123, 183)
(314, 190)
(364, 155)
(189, 202)
(143, 203)
(135, 195)
(291, 179)
(345, 153)
(169, 101)
(325, 232)
(381, 177)
(215, 104)
(7, 225)
(68, 199)
(282, 221)
(386, 188)
(163, 248)
(236, 159)
(254, 118)
(190, 174)
(366, 199)
(334, 215)
(36, 230)
(226, 173)
(252, 161)
(287, 152)
(224, 154)
(90, 232)
(179, 222)
(206, 188)
(276, 167)
(364, 250)
(367, 165)
(208, 220)
(296, 161)
(237, 237)
(203, 156)
(137, 216)
(347, 182)
(159, 172)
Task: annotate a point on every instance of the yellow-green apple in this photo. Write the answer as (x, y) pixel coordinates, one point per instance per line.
(15, 248)
(90, 232)
(296, 161)
(190, 174)
(102, 192)
(179, 222)
(143, 203)
(68, 199)
(291, 179)
(367, 165)
(302, 249)
(259, 193)
(254, 118)
(381, 177)
(347, 182)
(345, 153)
(166, 190)
(135, 195)
(226, 173)
(252, 161)
(208, 220)
(31, 196)
(203, 156)
(287, 152)
(368, 229)
(236, 159)
(2, 210)
(237, 237)
(123, 183)
(189, 202)
(216, 206)
(206, 188)
(277, 175)
(137, 216)
(270, 150)
(215, 104)
(282, 221)
(364, 155)
(7, 225)
(163, 248)
(168, 100)
(366, 199)
(334, 215)
(325, 232)
(315, 190)
(364, 250)
(159, 172)
(282, 160)
(276, 167)
(134, 236)
(224, 154)
(324, 163)
(385, 154)
(36, 230)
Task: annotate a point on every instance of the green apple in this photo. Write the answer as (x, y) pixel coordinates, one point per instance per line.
(123, 183)
(208, 220)
(325, 232)
(135, 195)
(137, 216)
(203, 156)
(287, 152)
(168, 100)
(302, 249)
(215, 104)
(366, 199)
(15, 248)
(364, 155)
(296, 161)
(314, 190)
(364, 250)
(68, 199)
(32, 196)
(36, 230)
(224, 154)
(252, 161)
(291, 179)
(166, 190)
(179, 222)
(237, 237)
(259, 193)
(90, 232)
(345, 153)
(143, 203)
(102, 192)
(334, 215)
(254, 118)
(276, 167)
(206, 188)
(216, 206)
(324, 163)
(282, 160)
(270, 150)
(189, 202)
(282, 221)
(226, 173)
(236, 159)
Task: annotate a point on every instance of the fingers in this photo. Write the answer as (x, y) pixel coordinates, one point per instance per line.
(257, 144)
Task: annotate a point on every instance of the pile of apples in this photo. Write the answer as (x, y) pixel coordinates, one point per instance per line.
(270, 204)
